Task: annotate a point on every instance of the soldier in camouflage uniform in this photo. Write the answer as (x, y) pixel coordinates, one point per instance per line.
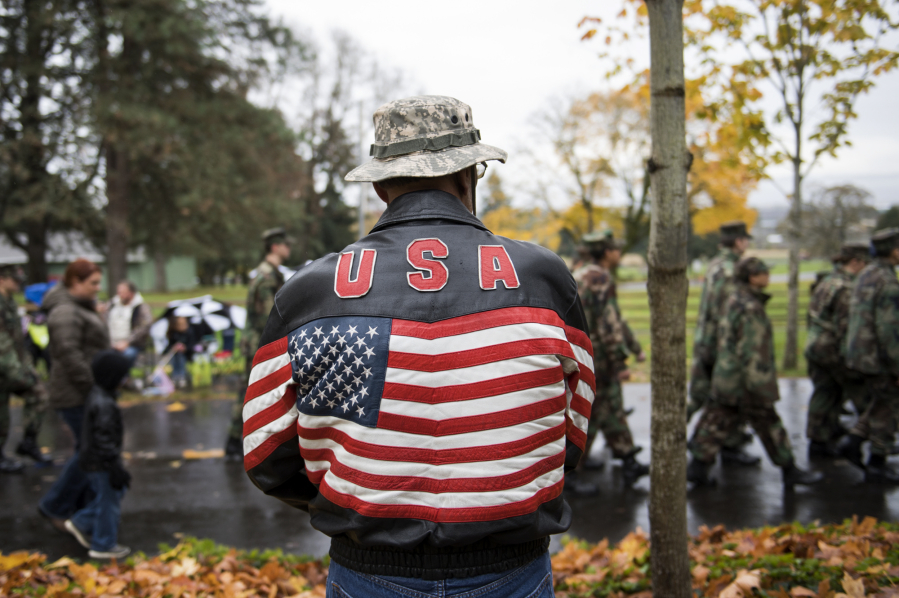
(744, 382)
(872, 349)
(828, 319)
(17, 376)
(260, 300)
(596, 287)
(716, 288)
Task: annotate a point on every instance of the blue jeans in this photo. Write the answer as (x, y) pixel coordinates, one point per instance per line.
(100, 518)
(534, 580)
(179, 366)
(68, 492)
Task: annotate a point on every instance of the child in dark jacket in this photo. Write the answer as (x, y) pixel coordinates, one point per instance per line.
(96, 526)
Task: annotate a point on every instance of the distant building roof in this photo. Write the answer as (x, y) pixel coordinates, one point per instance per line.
(63, 248)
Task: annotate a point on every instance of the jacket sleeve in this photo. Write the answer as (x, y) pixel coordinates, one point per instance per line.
(611, 333)
(67, 335)
(756, 349)
(580, 384)
(141, 329)
(106, 434)
(16, 375)
(887, 318)
(271, 446)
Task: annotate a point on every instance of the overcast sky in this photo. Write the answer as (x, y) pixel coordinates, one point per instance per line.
(508, 59)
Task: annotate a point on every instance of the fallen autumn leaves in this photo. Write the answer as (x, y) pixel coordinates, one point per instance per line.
(851, 560)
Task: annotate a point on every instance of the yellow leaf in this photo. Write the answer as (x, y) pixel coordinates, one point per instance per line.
(210, 454)
(187, 567)
(63, 562)
(800, 591)
(175, 407)
(13, 560)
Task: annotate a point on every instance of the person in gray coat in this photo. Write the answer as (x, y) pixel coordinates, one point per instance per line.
(77, 333)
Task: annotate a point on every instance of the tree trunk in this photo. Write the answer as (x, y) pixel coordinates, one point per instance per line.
(37, 251)
(669, 233)
(792, 342)
(159, 260)
(116, 217)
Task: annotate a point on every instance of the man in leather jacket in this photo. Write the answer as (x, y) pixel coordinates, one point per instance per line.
(422, 393)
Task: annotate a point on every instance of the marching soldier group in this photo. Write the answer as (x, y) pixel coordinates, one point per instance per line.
(852, 353)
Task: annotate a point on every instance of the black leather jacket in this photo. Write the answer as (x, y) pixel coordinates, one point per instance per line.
(446, 457)
(101, 435)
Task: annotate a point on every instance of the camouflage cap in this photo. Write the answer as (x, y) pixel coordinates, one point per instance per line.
(749, 267)
(424, 136)
(277, 235)
(734, 230)
(601, 239)
(858, 251)
(885, 239)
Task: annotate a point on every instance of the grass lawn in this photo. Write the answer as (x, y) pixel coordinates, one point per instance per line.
(634, 307)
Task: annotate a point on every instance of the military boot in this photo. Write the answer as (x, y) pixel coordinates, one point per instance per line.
(631, 469)
(698, 473)
(578, 486)
(793, 476)
(823, 450)
(28, 447)
(850, 447)
(878, 472)
(10, 466)
(738, 456)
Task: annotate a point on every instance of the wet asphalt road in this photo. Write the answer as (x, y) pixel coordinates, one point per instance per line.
(209, 498)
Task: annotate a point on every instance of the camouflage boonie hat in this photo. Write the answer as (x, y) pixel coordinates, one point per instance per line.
(601, 239)
(858, 251)
(277, 235)
(748, 267)
(424, 136)
(885, 239)
(734, 230)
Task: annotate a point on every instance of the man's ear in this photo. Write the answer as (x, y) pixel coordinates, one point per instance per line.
(382, 193)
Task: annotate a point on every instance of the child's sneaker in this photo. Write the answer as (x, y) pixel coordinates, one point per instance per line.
(116, 552)
(79, 535)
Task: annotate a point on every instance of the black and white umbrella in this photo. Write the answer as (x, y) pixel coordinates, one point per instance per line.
(205, 315)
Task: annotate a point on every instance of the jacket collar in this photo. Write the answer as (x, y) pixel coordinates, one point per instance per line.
(758, 294)
(884, 262)
(430, 204)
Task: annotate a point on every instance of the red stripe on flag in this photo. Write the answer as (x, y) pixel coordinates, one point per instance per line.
(474, 322)
(587, 376)
(473, 357)
(259, 454)
(576, 435)
(471, 423)
(431, 485)
(433, 456)
(475, 390)
(269, 383)
(580, 405)
(273, 412)
(270, 351)
(463, 515)
(579, 337)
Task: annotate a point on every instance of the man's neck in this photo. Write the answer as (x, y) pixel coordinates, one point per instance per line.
(274, 259)
(6, 293)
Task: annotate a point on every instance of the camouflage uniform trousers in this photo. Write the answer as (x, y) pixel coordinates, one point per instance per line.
(700, 393)
(236, 428)
(718, 420)
(32, 412)
(833, 386)
(607, 416)
(878, 422)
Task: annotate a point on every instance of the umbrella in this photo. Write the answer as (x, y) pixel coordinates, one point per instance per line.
(205, 314)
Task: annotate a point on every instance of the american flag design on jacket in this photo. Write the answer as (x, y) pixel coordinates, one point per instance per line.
(460, 420)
